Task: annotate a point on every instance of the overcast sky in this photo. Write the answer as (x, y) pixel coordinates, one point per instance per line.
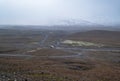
(40, 12)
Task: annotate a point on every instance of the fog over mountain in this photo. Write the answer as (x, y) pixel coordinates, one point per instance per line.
(69, 22)
(59, 12)
(65, 24)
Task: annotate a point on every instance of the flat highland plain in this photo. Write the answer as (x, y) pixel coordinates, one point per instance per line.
(46, 55)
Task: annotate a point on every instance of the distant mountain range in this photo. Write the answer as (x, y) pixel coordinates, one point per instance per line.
(67, 24)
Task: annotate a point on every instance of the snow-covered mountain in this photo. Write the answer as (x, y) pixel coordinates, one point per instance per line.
(72, 22)
(64, 24)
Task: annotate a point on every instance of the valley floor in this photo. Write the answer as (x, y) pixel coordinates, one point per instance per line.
(41, 56)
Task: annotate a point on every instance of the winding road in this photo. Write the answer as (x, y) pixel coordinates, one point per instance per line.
(75, 54)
